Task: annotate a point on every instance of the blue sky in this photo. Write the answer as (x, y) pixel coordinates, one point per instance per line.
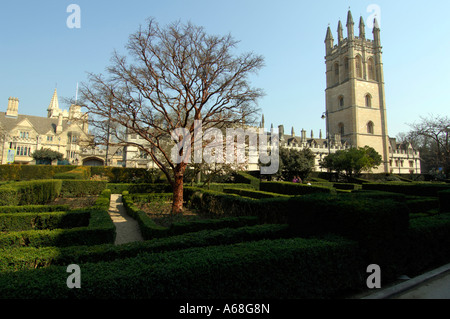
(39, 51)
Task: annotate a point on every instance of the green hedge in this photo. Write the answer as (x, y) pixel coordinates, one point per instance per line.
(47, 220)
(288, 188)
(252, 193)
(269, 269)
(128, 174)
(429, 243)
(29, 192)
(245, 178)
(444, 201)
(100, 230)
(118, 188)
(17, 172)
(33, 208)
(79, 188)
(80, 172)
(150, 229)
(30, 257)
(415, 189)
(379, 226)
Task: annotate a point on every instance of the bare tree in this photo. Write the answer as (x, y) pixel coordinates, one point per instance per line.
(431, 137)
(173, 76)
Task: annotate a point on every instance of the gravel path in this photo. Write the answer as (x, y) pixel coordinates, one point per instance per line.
(127, 228)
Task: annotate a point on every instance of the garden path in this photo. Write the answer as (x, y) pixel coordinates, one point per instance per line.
(127, 228)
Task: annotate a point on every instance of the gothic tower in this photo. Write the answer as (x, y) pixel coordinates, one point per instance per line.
(355, 98)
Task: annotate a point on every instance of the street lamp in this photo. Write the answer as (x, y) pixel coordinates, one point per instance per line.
(325, 117)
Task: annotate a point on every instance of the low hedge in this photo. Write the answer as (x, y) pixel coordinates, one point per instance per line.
(30, 257)
(118, 188)
(80, 172)
(379, 226)
(33, 208)
(47, 220)
(288, 188)
(429, 243)
(150, 229)
(29, 192)
(444, 201)
(415, 189)
(252, 193)
(269, 269)
(245, 178)
(100, 230)
(79, 188)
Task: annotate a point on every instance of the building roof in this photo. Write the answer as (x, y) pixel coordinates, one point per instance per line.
(42, 125)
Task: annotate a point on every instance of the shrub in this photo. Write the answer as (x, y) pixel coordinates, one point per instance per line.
(31, 257)
(80, 172)
(245, 178)
(29, 192)
(78, 188)
(100, 230)
(444, 201)
(252, 193)
(285, 268)
(33, 208)
(118, 188)
(288, 188)
(415, 189)
(47, 220)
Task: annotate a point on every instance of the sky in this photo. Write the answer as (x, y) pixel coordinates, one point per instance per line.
(40, 51)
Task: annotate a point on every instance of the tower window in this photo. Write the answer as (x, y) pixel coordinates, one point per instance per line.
(370, 127)
(368, 100)
(336, 72)
(346, 65)
(341, 101)
(371, 69)
(341, 129)
(358, 66)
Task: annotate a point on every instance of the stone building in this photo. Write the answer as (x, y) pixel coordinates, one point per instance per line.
(63, 131)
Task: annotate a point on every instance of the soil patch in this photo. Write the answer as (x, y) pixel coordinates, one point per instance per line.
(76, 202)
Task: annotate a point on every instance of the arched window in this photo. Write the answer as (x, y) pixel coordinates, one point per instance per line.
(358, 66)
(370, 127)
(346, 65)
(371, 69)
(336, 72)
(341, 129)
(341, 101)
(368, 100)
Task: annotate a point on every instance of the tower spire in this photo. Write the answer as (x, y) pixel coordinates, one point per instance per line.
(329, 41)
(340, 31)
(53, 107)
(362, 28)
(350, 25)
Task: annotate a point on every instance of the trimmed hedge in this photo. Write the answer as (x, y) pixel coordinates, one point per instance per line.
(33, 208)
(80, 172)
(100, 230)
(18, 172)
(30, 257)
(29, 192)
(429, 243)
(79, 188)
(38, 221)
(444, 201)
(273, 269)
(252, 193)
(415, 189)
(150, 229)
(288, 188)
(379, 226)
(245, 178)
(118, 188)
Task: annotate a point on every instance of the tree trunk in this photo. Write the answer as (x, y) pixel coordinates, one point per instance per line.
(177, 205)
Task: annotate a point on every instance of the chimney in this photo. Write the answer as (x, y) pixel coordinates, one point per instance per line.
(303, 136)
(59, 126)
(13, 107)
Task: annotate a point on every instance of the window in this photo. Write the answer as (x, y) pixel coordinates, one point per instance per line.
(336, 72)
(368, 100)
(370, 127)
(371, 69)
(346, 65)
(341, 129)
(24, 134)
(341, 101)
(49, 138)
(411, 163)
(358, 66)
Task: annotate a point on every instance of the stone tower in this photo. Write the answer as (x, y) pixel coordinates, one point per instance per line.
(355, 97)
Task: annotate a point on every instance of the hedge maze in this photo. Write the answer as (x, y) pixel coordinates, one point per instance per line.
(255, 239)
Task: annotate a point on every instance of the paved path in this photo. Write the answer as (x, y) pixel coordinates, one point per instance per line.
(127, 228)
